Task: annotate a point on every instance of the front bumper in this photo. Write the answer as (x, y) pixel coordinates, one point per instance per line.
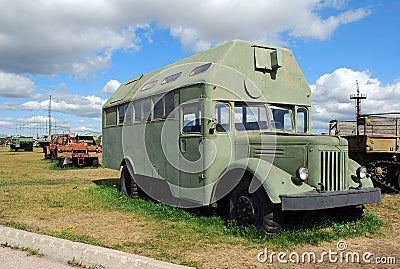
(314, 200)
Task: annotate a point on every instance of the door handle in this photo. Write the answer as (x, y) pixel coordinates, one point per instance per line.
(183, 145)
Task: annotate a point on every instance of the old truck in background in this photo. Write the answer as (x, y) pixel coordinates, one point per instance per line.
(73, 149)
(50, 148)
(18, 143)
(374, 141)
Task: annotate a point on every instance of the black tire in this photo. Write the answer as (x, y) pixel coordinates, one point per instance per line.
(396, 181)
(254, 209)
(95, 163)
(128, 184)
(61, 162)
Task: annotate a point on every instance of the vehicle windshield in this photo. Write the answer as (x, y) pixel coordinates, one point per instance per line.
(250, 117)
(282, 118)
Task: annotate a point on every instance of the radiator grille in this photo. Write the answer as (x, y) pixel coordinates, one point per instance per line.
(333, 167)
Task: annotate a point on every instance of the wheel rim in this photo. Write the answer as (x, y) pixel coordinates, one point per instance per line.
(246, 210)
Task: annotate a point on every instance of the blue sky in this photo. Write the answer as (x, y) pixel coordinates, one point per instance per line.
(79, 51)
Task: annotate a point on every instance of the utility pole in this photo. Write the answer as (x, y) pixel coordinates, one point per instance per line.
(50, 116)
(358, 97)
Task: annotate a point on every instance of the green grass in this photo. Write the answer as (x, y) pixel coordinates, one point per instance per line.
(54, 166)
(328, 231)
(214, 227)
(30, 251)
(69, 234)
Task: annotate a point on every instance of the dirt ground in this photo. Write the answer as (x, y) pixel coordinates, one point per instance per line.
(53, 201)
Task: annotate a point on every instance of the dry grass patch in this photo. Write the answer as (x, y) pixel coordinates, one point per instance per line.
(70, 204)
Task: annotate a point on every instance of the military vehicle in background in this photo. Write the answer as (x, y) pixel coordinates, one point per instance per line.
(72, 149)
(231, 126)
(18, 143)
(374, 141)
(44, 142)
(50, 148)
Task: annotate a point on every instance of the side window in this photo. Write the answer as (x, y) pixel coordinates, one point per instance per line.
(163, 105)
(110, 116)
(169, 103)
(302, 120)
(158, 112)
(223, 115)
(250, 117)
(160, 106)
(137, 106)
(281, 118)
(146, 109)
(191, 118)
(142, 109)
(121, 113)
(128, 113)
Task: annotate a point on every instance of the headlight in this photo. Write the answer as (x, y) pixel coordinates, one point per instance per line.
(361, 172)
(302, 173)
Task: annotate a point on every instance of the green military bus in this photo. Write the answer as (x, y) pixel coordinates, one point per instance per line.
(230, 127)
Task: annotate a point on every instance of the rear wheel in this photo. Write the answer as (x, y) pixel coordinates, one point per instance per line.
(128, 184)
(254, 209)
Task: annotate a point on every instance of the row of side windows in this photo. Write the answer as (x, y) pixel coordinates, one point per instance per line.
(151, 108)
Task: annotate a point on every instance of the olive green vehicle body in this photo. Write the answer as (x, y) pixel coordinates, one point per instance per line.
(238, 72)
(18, 143)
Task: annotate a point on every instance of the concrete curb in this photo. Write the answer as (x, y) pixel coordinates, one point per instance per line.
(64, 250)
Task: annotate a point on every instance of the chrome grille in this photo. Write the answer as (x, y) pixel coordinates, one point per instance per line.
(333, 167)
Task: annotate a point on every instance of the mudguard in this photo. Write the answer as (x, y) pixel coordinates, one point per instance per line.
(275, 181)
(365, 182)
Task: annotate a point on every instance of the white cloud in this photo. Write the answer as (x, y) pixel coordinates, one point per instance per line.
(81, 36)
(323, 29)
(111, 86)
(36, 119)
(83, 129)
(331, 96)
(15, 86)
(6, 121)
(82, 106)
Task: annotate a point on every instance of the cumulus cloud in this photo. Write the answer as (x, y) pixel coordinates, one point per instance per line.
(84, 129)
(81, 36)
(72, 104)
(331, 96)
(15, 86)
(38, 119)
(111, 86)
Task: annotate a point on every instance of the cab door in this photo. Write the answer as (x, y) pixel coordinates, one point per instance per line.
(191, 159)
(191, 164)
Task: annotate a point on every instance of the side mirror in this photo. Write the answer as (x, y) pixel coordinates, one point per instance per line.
(212, 125)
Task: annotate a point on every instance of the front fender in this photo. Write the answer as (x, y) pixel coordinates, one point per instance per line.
(275, 181)
(366, 182)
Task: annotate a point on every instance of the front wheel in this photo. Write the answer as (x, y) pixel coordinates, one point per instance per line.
(254, 209)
